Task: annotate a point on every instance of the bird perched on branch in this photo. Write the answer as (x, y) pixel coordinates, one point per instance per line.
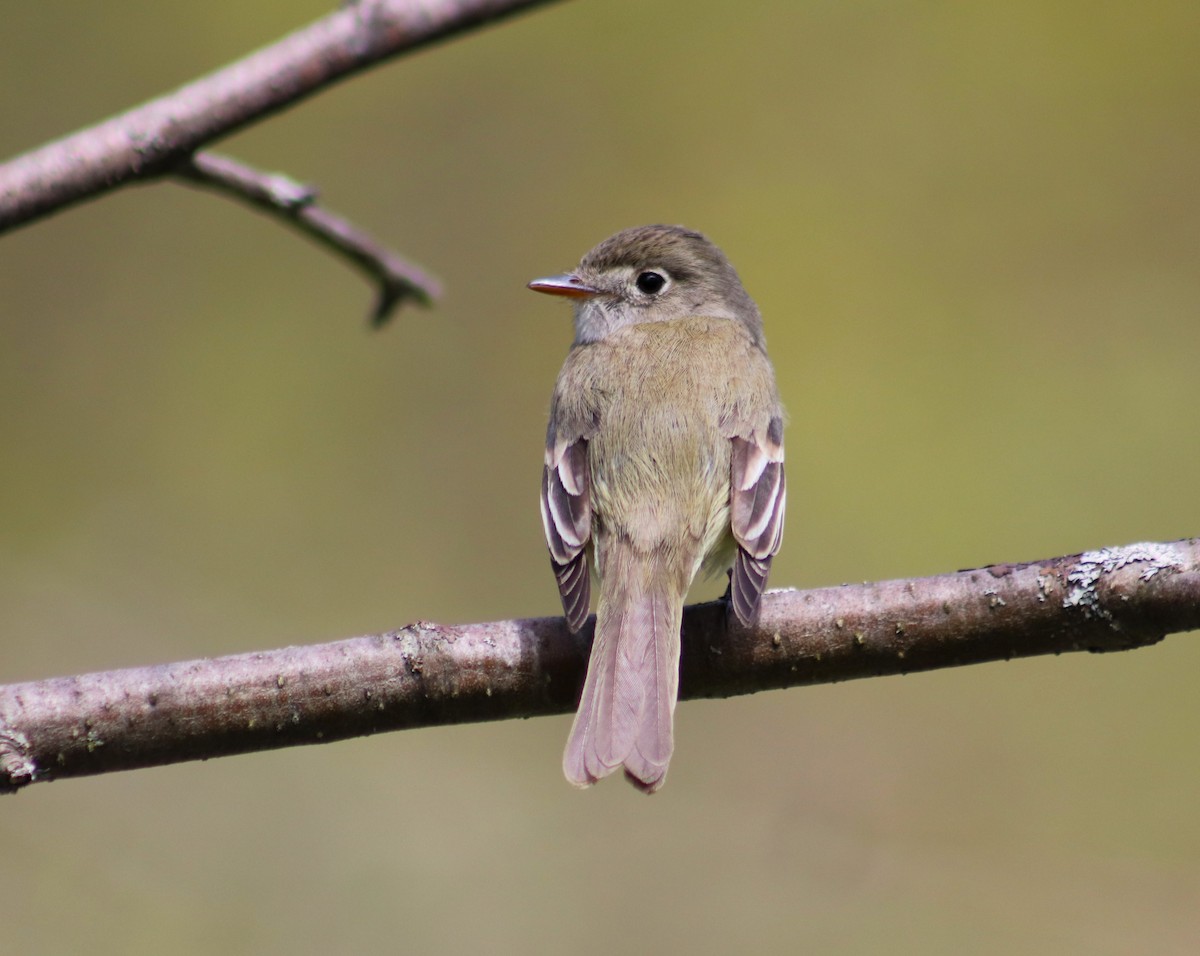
(664, 458)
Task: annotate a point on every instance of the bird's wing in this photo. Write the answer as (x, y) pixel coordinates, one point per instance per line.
(758, 493)
(567, 520)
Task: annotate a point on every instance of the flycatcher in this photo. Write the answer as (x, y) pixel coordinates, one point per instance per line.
(664, 457)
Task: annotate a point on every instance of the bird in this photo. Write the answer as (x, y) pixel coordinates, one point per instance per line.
(664, 460)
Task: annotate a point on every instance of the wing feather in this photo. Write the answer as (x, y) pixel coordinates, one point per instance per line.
(567, 522)
(757, 504)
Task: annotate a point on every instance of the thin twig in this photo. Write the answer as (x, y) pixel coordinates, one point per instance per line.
(426, 674)
(295, 203)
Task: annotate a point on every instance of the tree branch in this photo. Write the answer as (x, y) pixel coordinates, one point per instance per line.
(427, 674)
(295, 203)
(156, 137)
(163, 136)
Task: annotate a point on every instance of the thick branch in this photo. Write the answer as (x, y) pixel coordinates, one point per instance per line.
(295, 203)
(426, 674)
(154, 138)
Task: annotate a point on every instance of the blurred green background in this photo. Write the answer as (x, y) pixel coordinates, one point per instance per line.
(974, 232)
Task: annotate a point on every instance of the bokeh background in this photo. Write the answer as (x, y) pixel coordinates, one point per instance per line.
(974, 231)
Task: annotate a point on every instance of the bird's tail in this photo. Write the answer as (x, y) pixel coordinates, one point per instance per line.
(626, 712)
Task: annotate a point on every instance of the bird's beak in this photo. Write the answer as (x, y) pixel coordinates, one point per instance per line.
(566, 284)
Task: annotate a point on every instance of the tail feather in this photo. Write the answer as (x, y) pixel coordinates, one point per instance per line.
(626, 712)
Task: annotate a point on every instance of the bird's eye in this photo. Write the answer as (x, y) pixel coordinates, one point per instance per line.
(651, 283)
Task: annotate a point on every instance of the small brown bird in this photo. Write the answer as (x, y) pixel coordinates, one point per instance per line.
(664, 457)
